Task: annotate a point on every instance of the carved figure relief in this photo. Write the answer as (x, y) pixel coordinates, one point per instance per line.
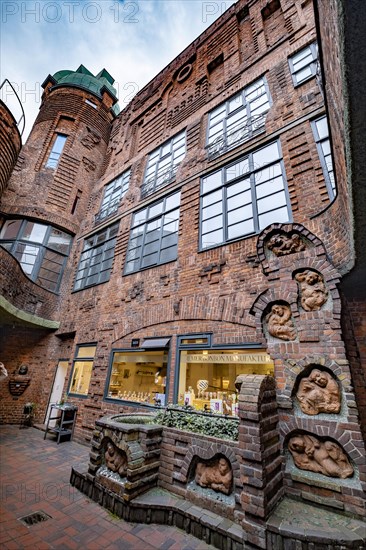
(115, 460)
(313, 292)
(279, 322)
(217, 476)
(282, 244)
(319, 393)
(322, 457)
(90, 140)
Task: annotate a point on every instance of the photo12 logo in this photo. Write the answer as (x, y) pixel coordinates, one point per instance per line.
(212, 10)
(53, 12)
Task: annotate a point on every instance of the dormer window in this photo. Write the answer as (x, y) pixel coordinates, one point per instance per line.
(56, 151)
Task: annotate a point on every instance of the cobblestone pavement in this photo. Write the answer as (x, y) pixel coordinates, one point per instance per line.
(35, 477)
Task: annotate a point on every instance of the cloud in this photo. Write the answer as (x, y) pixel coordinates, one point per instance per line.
(133, 40)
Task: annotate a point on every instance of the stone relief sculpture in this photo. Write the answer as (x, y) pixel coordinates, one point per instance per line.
(322, 457)
(282, 244)
(115, 460)
(279, 322)
(319, 393)
(217, 476)
(313, 292)
(91, 139)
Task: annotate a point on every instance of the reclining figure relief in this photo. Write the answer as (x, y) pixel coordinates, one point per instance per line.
(115, 460)
(217, 476)
(319, 393)
(279, 322)
(313, 292)
(282, 244)
(321, 457)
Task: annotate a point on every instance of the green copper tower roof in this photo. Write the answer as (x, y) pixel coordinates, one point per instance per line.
(83, 78)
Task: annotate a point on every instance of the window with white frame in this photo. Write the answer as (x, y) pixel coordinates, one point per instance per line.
(244, 197)
(41, 250)
(303, 64)
(113, 194)
(163, 164)
(154, 234)
(97, 258)
(238, 119)
(56, 151)
(321, 134)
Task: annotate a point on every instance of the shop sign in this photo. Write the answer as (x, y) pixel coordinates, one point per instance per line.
(241, 358)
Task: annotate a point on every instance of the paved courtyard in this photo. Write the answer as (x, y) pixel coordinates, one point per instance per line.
(35, 477)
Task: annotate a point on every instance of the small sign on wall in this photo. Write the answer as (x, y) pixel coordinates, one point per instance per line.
(135, 342)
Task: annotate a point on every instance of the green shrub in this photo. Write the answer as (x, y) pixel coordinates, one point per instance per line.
(215, 426)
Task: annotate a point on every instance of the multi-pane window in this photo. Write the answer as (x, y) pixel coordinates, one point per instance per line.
(41, 250)
(238, 119)
(154, 234)
(82, 369)
(56, 151)
(304, 63)
(244, 197)
(113, 193)
(97, 258)
(321, 134)
(163, 163)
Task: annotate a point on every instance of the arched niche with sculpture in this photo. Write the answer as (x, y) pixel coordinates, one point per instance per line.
(215, 474)
(282, 243)
(319, 455)
(313, 292)
(317, 391)
(278, 321)
(115, 459)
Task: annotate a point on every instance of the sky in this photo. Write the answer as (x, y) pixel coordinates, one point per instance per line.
(132, 39)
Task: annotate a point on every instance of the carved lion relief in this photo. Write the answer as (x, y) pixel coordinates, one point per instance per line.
(319, 393)
(216, 475)
(321, 457)
(282, 244)
(313, 292)
(115, 460)
(280, 323)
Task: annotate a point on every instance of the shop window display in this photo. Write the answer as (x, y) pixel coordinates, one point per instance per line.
(139, 377)
(207, 377)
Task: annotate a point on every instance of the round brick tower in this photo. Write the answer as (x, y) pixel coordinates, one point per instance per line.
(65, 153)
(10, 137)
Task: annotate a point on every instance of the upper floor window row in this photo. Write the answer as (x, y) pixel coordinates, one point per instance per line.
(238, 119)
(114, 191)
(41, 250)
(243, 198)
(321, 134)
(97, 258)
(154, 234)
(57, 148)
(163, 163)
(303, 65)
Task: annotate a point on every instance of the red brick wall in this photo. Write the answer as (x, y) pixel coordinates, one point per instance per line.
(10, 144)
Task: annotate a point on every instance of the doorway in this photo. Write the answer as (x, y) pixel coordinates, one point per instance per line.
(58, 386)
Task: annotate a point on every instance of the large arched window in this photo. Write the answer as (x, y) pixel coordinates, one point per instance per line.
(41, 250)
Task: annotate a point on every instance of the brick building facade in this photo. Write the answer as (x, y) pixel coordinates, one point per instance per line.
(152, 256)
